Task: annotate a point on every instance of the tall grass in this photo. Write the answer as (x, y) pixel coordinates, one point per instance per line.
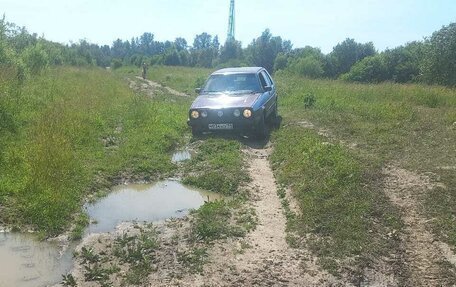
(343, 211)
(385, 119)
(68, 129)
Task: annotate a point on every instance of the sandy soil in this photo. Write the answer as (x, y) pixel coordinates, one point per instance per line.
(422, 253)
(149, 87)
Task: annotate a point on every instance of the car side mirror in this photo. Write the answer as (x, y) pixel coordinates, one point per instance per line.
(268, 88)
(198, 91)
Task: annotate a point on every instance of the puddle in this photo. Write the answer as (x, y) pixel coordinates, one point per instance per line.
(181, 155)
(145, 202)
(26, 262)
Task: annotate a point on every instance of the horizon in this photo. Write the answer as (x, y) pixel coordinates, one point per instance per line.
(365, 21)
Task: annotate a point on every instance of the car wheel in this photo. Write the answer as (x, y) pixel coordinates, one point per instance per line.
(273, 116)
(196, 132)
(261, 130)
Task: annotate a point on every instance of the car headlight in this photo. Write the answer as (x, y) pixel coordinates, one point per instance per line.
(204, 114)
(195, 114)
(247, 113)
(237, 113)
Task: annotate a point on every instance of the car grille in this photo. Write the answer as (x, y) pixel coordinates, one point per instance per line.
(213, 115)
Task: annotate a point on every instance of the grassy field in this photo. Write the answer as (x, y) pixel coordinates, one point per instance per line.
(343, 135)
(72, 131)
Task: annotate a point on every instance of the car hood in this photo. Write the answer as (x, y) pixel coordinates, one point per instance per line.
(217, 101)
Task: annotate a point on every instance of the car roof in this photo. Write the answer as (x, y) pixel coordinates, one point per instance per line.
(243, 70)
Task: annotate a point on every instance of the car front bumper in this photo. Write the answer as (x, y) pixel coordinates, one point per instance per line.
(227, 122)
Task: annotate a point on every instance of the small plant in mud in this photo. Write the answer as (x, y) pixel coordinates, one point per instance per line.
(138, 273)
(133, 249)
(69, 281)
(82, 221)
(95, 273)
(88, 255)
(193, 259)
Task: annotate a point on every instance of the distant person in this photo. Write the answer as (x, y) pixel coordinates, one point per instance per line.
(144, 71)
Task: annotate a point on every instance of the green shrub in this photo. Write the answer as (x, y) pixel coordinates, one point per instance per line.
(309, 66)
(35, 58)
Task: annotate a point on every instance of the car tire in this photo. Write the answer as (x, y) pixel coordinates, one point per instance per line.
(274, 114)
(196, 132)
(261, 130)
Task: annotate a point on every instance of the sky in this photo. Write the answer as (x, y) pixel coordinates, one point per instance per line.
(322, 24)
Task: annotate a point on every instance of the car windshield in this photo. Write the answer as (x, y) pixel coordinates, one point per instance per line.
(232, 83)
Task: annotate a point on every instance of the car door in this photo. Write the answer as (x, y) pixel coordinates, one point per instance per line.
(270, 96)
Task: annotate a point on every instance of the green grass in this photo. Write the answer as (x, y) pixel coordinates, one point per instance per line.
(218, 166)
(385, 119)
(222, 219)
(67, 131)
(344, 213)
(329, 183)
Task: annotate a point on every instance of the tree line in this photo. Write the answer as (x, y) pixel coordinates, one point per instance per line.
(432, 60)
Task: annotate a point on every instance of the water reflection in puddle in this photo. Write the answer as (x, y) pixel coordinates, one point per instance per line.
(145, 202)
(26, 262)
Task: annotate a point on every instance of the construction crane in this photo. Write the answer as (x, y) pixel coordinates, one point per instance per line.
(230, 36)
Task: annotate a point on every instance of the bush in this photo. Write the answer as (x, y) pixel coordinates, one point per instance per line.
(369, 70)
(35, 58)
(280, 62)
(116, 63)
(309, 66)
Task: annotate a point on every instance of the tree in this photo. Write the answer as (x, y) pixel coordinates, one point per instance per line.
(180, 44)
(440, 61)
(171, 57)
(146, 44)
(231, 50)
(263, 50)
(204, 51)
(345, 55)
(202, 41)
(404, 63)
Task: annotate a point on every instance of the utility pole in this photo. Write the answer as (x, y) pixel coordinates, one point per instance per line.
(231, 19)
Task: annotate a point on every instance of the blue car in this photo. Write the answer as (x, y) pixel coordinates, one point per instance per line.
(243, 100)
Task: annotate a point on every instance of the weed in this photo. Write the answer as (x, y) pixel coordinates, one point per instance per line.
(193, 259)
(137, 274)
(96, 273)
(309, 101)
(81, 222)
(88, 255)
(68, 280)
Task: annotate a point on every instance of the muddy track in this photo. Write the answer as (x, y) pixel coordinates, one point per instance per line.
(268, 261)
(423, 255)
(149, 87)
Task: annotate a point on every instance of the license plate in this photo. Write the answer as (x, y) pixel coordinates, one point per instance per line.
(220, 126)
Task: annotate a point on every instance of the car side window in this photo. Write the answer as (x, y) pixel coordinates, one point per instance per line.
(263, 80)
(269, 78)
